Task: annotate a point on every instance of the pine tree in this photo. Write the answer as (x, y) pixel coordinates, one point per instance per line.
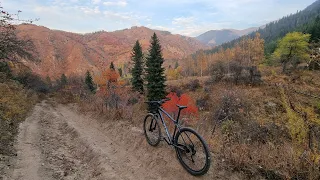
(154, 71)
(63, 80)
(315, 30)
(176, 65)
(89, 82)
(49, 82)
(112, 66)
(120, 72)
(137, 70)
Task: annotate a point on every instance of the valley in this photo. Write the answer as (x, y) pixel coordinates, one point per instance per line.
(73, 101)
(59, 52)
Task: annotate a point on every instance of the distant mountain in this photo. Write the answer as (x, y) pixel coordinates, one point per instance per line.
(218, 37)
(245, 31)
(305, 21)
(70, 53)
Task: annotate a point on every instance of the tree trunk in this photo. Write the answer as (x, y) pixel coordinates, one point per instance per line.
(284, 67)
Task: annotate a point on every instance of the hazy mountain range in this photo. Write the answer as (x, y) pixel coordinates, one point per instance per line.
(217, 37)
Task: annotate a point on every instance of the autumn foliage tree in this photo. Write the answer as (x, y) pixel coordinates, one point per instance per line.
(174, 73)
(108, 85)
(248, 52)
(106, 78)
(292, 49)
(183, 100)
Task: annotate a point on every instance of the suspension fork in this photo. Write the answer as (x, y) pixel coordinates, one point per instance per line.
(153, 123)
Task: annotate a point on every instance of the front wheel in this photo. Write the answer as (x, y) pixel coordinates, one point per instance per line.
(152, 129)
(192, 151)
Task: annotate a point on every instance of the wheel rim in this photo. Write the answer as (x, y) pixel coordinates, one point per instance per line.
(193, 155)
(152, 130)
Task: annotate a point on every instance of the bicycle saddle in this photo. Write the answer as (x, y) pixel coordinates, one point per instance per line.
(181, 107)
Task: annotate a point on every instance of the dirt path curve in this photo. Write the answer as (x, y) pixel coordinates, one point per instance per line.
(56, 142)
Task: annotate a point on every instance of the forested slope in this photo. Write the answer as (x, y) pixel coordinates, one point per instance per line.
(306, 21)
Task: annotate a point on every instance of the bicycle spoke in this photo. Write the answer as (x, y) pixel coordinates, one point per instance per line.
(152, 130)
(194, 153)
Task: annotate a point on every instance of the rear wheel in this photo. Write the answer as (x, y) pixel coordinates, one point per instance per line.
(192, 151)
(152, 129)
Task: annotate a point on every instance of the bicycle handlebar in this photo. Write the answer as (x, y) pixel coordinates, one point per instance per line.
(158, 102)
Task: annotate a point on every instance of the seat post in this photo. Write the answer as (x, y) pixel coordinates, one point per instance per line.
(178, 115)
(177, 121)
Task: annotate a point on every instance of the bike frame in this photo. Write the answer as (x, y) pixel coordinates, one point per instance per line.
(176, 124)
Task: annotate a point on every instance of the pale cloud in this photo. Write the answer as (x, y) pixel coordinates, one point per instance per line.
(96, 1)
(198, 29)
(115, 3)
(117, 16)
(186, 17)
(91, 11)
(191, 26)
(124, 18)
(183, 21)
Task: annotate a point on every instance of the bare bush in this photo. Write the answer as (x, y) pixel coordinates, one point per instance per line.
(33, 82)
(132, 100)
(232, 107)
(176, 90)
(265, 150)
(193, 85)
(203, 102)
(235, 73)
(218, 71)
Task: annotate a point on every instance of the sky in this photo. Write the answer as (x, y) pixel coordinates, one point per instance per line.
(186, 17)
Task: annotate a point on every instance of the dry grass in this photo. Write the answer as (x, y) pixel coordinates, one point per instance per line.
(15, 103)
(256, 137)
(261, 143)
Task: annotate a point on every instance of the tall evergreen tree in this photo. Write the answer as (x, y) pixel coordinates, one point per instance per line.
(49, 82)
(112, 66)
(137, 70)
(89, 82)
(63, 80)
(154, 71)
(120, 72)
(176, 65)
(315, 30)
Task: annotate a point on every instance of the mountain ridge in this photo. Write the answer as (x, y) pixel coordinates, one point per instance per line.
(218, 37)
(74, 53)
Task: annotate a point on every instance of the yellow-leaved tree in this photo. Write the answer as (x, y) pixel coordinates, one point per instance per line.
(292, 49)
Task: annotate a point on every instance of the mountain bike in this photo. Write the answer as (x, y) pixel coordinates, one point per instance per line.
(191, 149)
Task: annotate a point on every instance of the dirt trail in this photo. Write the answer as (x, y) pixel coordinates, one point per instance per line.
(56, 142)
